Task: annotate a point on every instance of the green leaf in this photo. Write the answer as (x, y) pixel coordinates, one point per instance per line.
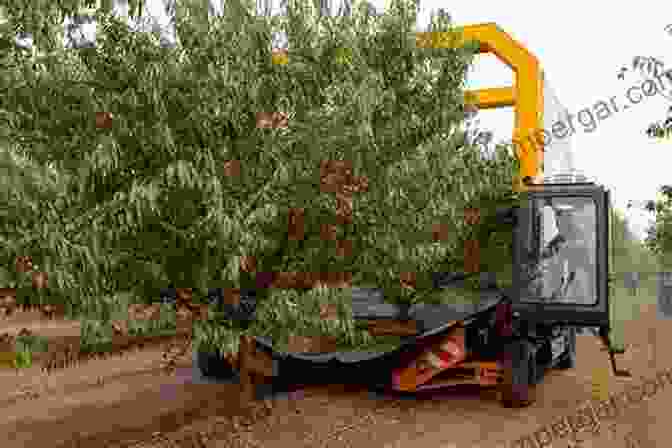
(153, 189)
(23, 360)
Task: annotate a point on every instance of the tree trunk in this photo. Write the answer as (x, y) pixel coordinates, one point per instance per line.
(247, 386)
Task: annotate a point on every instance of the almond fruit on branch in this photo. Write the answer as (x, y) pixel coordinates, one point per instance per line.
(328, 232)
(356, 185)
(334, 174)
(52, 311)
(248, 263)
(40, 280)
(232, 168)
(472, 216)
(336, 279)
(329, 311)
(440, 232)
(7, 301)
(296, 229)
(408, 280)
(120, 328)
(472, 261)
(344, 248)
(344, 209)
(272, 120)
(184, 297)
(104, 120)
(24, 264)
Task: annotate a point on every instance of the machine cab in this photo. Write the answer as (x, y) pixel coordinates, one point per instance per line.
(561, 255)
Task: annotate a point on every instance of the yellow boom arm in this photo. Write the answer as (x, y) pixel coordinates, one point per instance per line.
(526, 96)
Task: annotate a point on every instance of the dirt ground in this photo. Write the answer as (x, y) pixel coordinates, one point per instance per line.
(130, 401)
(33, 321)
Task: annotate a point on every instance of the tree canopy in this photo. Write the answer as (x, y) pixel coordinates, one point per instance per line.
(659, 238)
(130, 164)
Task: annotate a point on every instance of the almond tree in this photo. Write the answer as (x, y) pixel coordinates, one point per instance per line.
(659, 235)
(659, 238)
(206, 164)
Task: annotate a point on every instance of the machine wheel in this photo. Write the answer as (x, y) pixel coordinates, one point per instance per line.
(212, 365)
(568, 360)
(521, 377)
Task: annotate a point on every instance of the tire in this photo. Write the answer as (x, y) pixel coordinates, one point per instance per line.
(518, 391)
(212, 365)
(568, 360)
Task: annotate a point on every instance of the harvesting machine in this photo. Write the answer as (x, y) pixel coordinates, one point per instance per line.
(510, 337)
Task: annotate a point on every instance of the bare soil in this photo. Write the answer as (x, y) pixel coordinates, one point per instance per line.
(34, 320)
(64, 335)
(130, 400)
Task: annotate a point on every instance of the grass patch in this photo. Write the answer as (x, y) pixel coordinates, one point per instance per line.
(32, 343)
(24, 348)
(95, 336)
(96, 328)
(625, 308)
(23, 360)
(97, 347)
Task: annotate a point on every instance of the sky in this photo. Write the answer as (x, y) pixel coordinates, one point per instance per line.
(581, 49)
